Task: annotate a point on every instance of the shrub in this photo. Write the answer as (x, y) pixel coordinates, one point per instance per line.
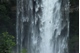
(6, 42)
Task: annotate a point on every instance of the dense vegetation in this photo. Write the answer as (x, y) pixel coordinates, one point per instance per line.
(8, 23)
(6, 42)
(7, 28)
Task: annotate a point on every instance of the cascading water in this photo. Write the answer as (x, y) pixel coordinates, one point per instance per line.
(42, 26)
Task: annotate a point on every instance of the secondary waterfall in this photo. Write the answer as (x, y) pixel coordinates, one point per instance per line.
(42, 26)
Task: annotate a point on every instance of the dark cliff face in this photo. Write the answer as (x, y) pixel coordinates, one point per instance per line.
(74, 32)
(74, 3)
(74, 27)
(10, 24)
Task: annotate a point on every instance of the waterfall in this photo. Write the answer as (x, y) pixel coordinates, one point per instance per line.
(42, 26)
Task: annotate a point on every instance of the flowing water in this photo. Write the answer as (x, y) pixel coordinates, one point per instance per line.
(42, 26)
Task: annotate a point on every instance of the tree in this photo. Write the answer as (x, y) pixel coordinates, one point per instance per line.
(6, 42)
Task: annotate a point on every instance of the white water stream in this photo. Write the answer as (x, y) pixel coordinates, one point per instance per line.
(42, 26)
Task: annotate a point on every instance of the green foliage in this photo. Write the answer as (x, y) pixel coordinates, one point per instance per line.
(4, 18)
(74, 44)
(2, 8)
(6, 42)
(23, 51)
(3, 12)
(7, 17)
